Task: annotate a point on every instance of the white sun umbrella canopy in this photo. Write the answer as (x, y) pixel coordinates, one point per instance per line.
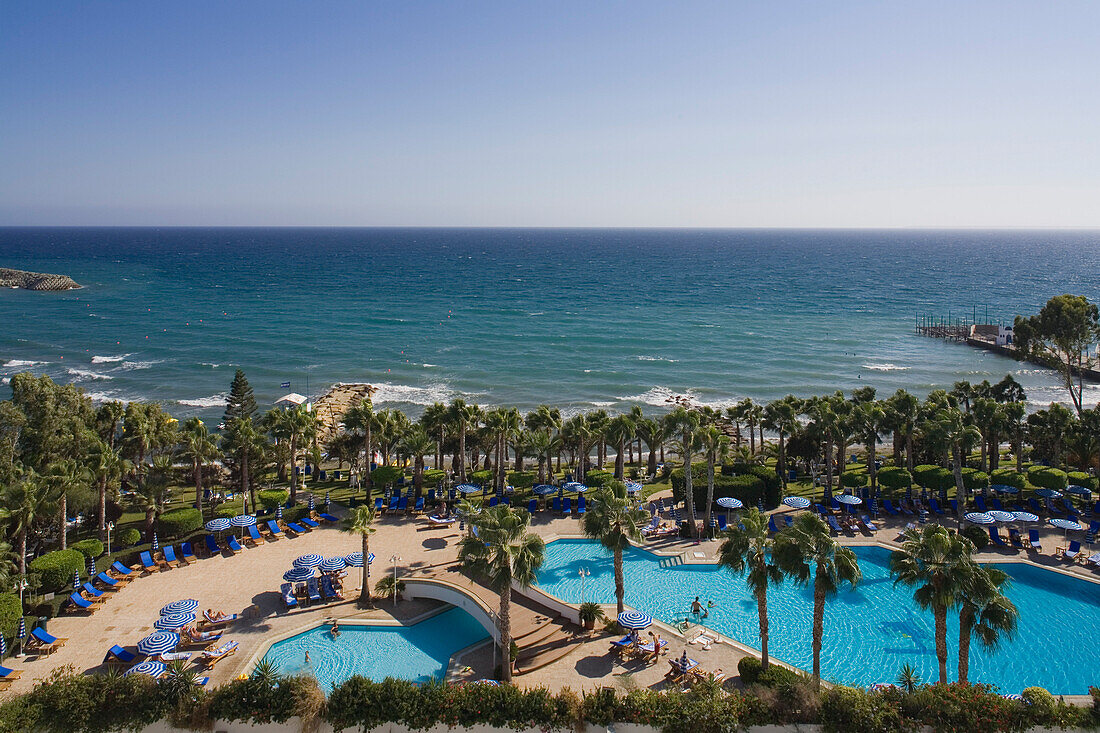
(161, 642)
(1025, 517)
(183, 606)
(355, 559)
(849, 499)
(1002, 516)
(243, 520)
(634, 620)
(575, 486)
(797, 502)
(728, 502)
(150, 667)
(174, 621)
(333, 564)
(545, 489)
(218, 525)
(1065, 525)
(980, 518)
(1048, 493)
(467, 488)
(298, 575)
(633, 487)
(1079, 491)
(311, 560)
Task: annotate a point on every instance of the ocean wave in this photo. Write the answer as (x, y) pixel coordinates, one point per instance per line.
(81, 375)
(129, 366)
(22, 363)
(108, 359)
(429, 366)
(885, 367)
(403, 393)
(644, 357)
(215, 400)
(658, 396)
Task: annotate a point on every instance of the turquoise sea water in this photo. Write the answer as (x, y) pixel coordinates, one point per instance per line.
(580, 318)
(870, 632)
(416, 653)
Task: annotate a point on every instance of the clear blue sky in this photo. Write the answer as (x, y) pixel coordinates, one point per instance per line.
(550, 114)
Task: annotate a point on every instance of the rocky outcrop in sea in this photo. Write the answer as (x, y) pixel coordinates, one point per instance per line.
(35, 280)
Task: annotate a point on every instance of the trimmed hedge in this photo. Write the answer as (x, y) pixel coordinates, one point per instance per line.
(933, 478)
(975, 480)
(1080, 478)
(385, 475)
(225, 512)
(1009, 477)
(597, 478)
(179, 522)
(271, 499)
(128, 537)
(480, 477)
(433, 476)
(1048, 478)
(56, 568)
(522, 479)
(10, 613)
(853, 480)
(88, 548)
(894, 477)
(746, 487)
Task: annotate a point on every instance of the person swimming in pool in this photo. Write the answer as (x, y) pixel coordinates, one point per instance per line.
(696, 606)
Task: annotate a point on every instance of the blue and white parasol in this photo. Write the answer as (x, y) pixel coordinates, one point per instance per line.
(467, 488)
(156, 542)
(849, 499)
(218, 525)
(1002, 516)
(311, 560)
(243, 520)
(633, 487)
(1079, 491)
(173, 621)
(333, 564)
(311, 505)
(355, 559)
(545, 489)
(1025, 517)
(298, 575)
(575, 486)
(182, 606)
(1048, 493)
(150, 667)
(980, 518)
(728, 502)
(76, 580)
(634, 620)
(798, 502)
(161, 642)
(1065, 525)
(279, 512)
(1004, 489)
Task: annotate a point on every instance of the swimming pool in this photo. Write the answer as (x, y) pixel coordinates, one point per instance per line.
(869, 632)
(417, 653)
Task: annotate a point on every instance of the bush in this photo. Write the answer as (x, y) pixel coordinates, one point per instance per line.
(977, 535)
(975, 480)
(10, 613)
(433, 476)
(598, 478)
(179, 522)
(933, 478)
(1038, 698)
(66, 701)
(56, 568)
(749, 668)
(748, 488)
(272, 499)
(853, 479)
(128, 537)
(1080, 478)
(88, 548)
(480, 477)
(959, 707)
(385, 475)
(895, 478)
(1009, 477)
(522, 479)
(1048, 478)
(850, 710)
(778, 677)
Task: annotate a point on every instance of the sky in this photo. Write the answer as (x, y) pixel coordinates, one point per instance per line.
(647, 114)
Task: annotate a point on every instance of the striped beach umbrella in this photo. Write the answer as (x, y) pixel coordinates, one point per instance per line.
(186, 605)
(76, 580)
(298, 575)
(150, 667)
(634, 620)
(575, 486)
(22, 629)
(3, 647)
(545, 489)
(1048, 493)
(1025, 517)
(1002, 516)
(311, 502)
(243, 520)
(311, 560)
(1014, 697)
(468, 488)
(156, 542)
(218, 525)
(760, 504)
(1066, 525)
(728, 502)
(326, 500)
(979, 518)
(173, 621)
(91, 567)
(333, 564)
(880, 686)
(1079, 491)
(849, 499)
(1004, 489)
(160, 642)
(633, 487)
(798, 502)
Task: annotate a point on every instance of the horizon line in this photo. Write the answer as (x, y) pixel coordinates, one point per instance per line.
(1093, 228)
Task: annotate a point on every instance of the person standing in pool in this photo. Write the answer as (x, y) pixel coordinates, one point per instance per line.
(696, 606)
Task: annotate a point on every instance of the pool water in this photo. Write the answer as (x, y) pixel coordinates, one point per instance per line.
(416, 653)
(870, 632)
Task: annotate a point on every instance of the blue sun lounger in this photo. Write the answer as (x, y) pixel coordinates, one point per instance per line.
(117, 654)
(1072, 552)
(996, 504)
(296, 528)
(187, 554)
(91, 590)
(721, 522)
(532, 506)
(287, 591)
(170, 556)
(889, 507)
(308, 523)
(935, 507)
(121, 570)
(394, 501)
(233, 545)
(403, 504)
(1035, 505)
(979, 501)
(212, 545)
(1033, 537)
(313, 589)
(326, 517)
(107, 580)
(493, 501)
(555, 505)
(254, 535)
(419, 506)
(378, 505)
(147, 562)
(567, 506)
(995, 537)
(1015, 538)
(581, 508)
(273, 529)
(84, 604)
(771, 524)
(868, 523)
(834, 525)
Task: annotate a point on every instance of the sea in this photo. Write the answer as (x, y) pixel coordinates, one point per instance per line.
(577, 318)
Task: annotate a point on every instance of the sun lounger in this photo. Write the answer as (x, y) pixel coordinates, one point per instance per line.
(214, 621)
(434, 521)
(212, 546)
(378, 505)
(117, 655)
(581, 508)
(111, 583)
(493, 501)
(419, 506)
(995, 537)
(296, 528)
(175, 656)
(313, 589)
(45, 642)
(194, 637)
(567, 506)
(623, 645)
(646, 650)
(273, 529)
(254, 535)
(867, 524)
(308, 523)
(170, 556)
(889, 507)
(8, 675)
(773, 528)
(954, 504)
(148, 563)
(1035, 505)
(121, 571)
(1094, 561)
(213, 655)
(233, 545)
(833, 524)
(329, 589)
(91, 591)
(979, 501)
(187, 554)
(1015, 538)
(326, 517)
(1070, 553)
(996, 504)
(287, 591)
(81, 603)
(532, 506)
(788, 520)
(721, 522)
(935, 506)
(394, 501)
(1033, 538)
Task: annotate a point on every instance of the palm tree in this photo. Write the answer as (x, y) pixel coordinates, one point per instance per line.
(548, 420)
(902, 412)
(935, 562)
(984, 612)
(654, 433)
(359, 420)
(106, 465)
(242, 440)
(540, 445)
(747, 551)
(781, 416)
(616, 522)
(199, 446)
(295, 425)
(359, 521)
(62, 477)
(22, 503)
(417, 443)
(715, 445)
(960, 437)
(747, 411)
(503, 552)
(620, 430)
(434, 421)
(155, 492)
(1015, 412)
(807, 549)
(463, 417)
(868, 420)
(686, 423)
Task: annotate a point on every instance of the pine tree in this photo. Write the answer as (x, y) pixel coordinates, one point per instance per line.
(241, 403)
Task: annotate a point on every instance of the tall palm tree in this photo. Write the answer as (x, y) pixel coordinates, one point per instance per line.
(747, 551)
(297, 426)
(620, 430)
(960, 437)
(106, 466)
(781, 416)
(686, 424)
(416, 443)
(598, 421)
(807, 549)
(654, 433)
(434, 421)
(1015, 413)
(62, 477)
(22, 503)
(359, 420)
(903, 411)
(616, 522)
(935, 562)
(243, 441)
(984, 612)
(200, 448)
(746, 410)
(155, 493)
(540, 445)
(502, 553)
(463, 418)
(715, 446)
(869, 419)
(548, 420)
(360, 521)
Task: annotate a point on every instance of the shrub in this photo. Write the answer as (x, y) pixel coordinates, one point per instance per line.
(1009, 477)
(748, 488)
(977, 535)
(88, 548)
(385, 475)
(1038, 698)
(480, 477)
(55, 569)
(128, 537)
(179, 522)
(975, 480)
(1048, 478)
(778, 677)
(847, 709)
(895, 478)
(271, 499)
(433, 476)
(749, 668)
(933, 478)
(10, 613)
(522, 479)
(959, 707)
(1080, 478)
(66, 701)
(225, 512)
(598, 478)
(853, 479)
